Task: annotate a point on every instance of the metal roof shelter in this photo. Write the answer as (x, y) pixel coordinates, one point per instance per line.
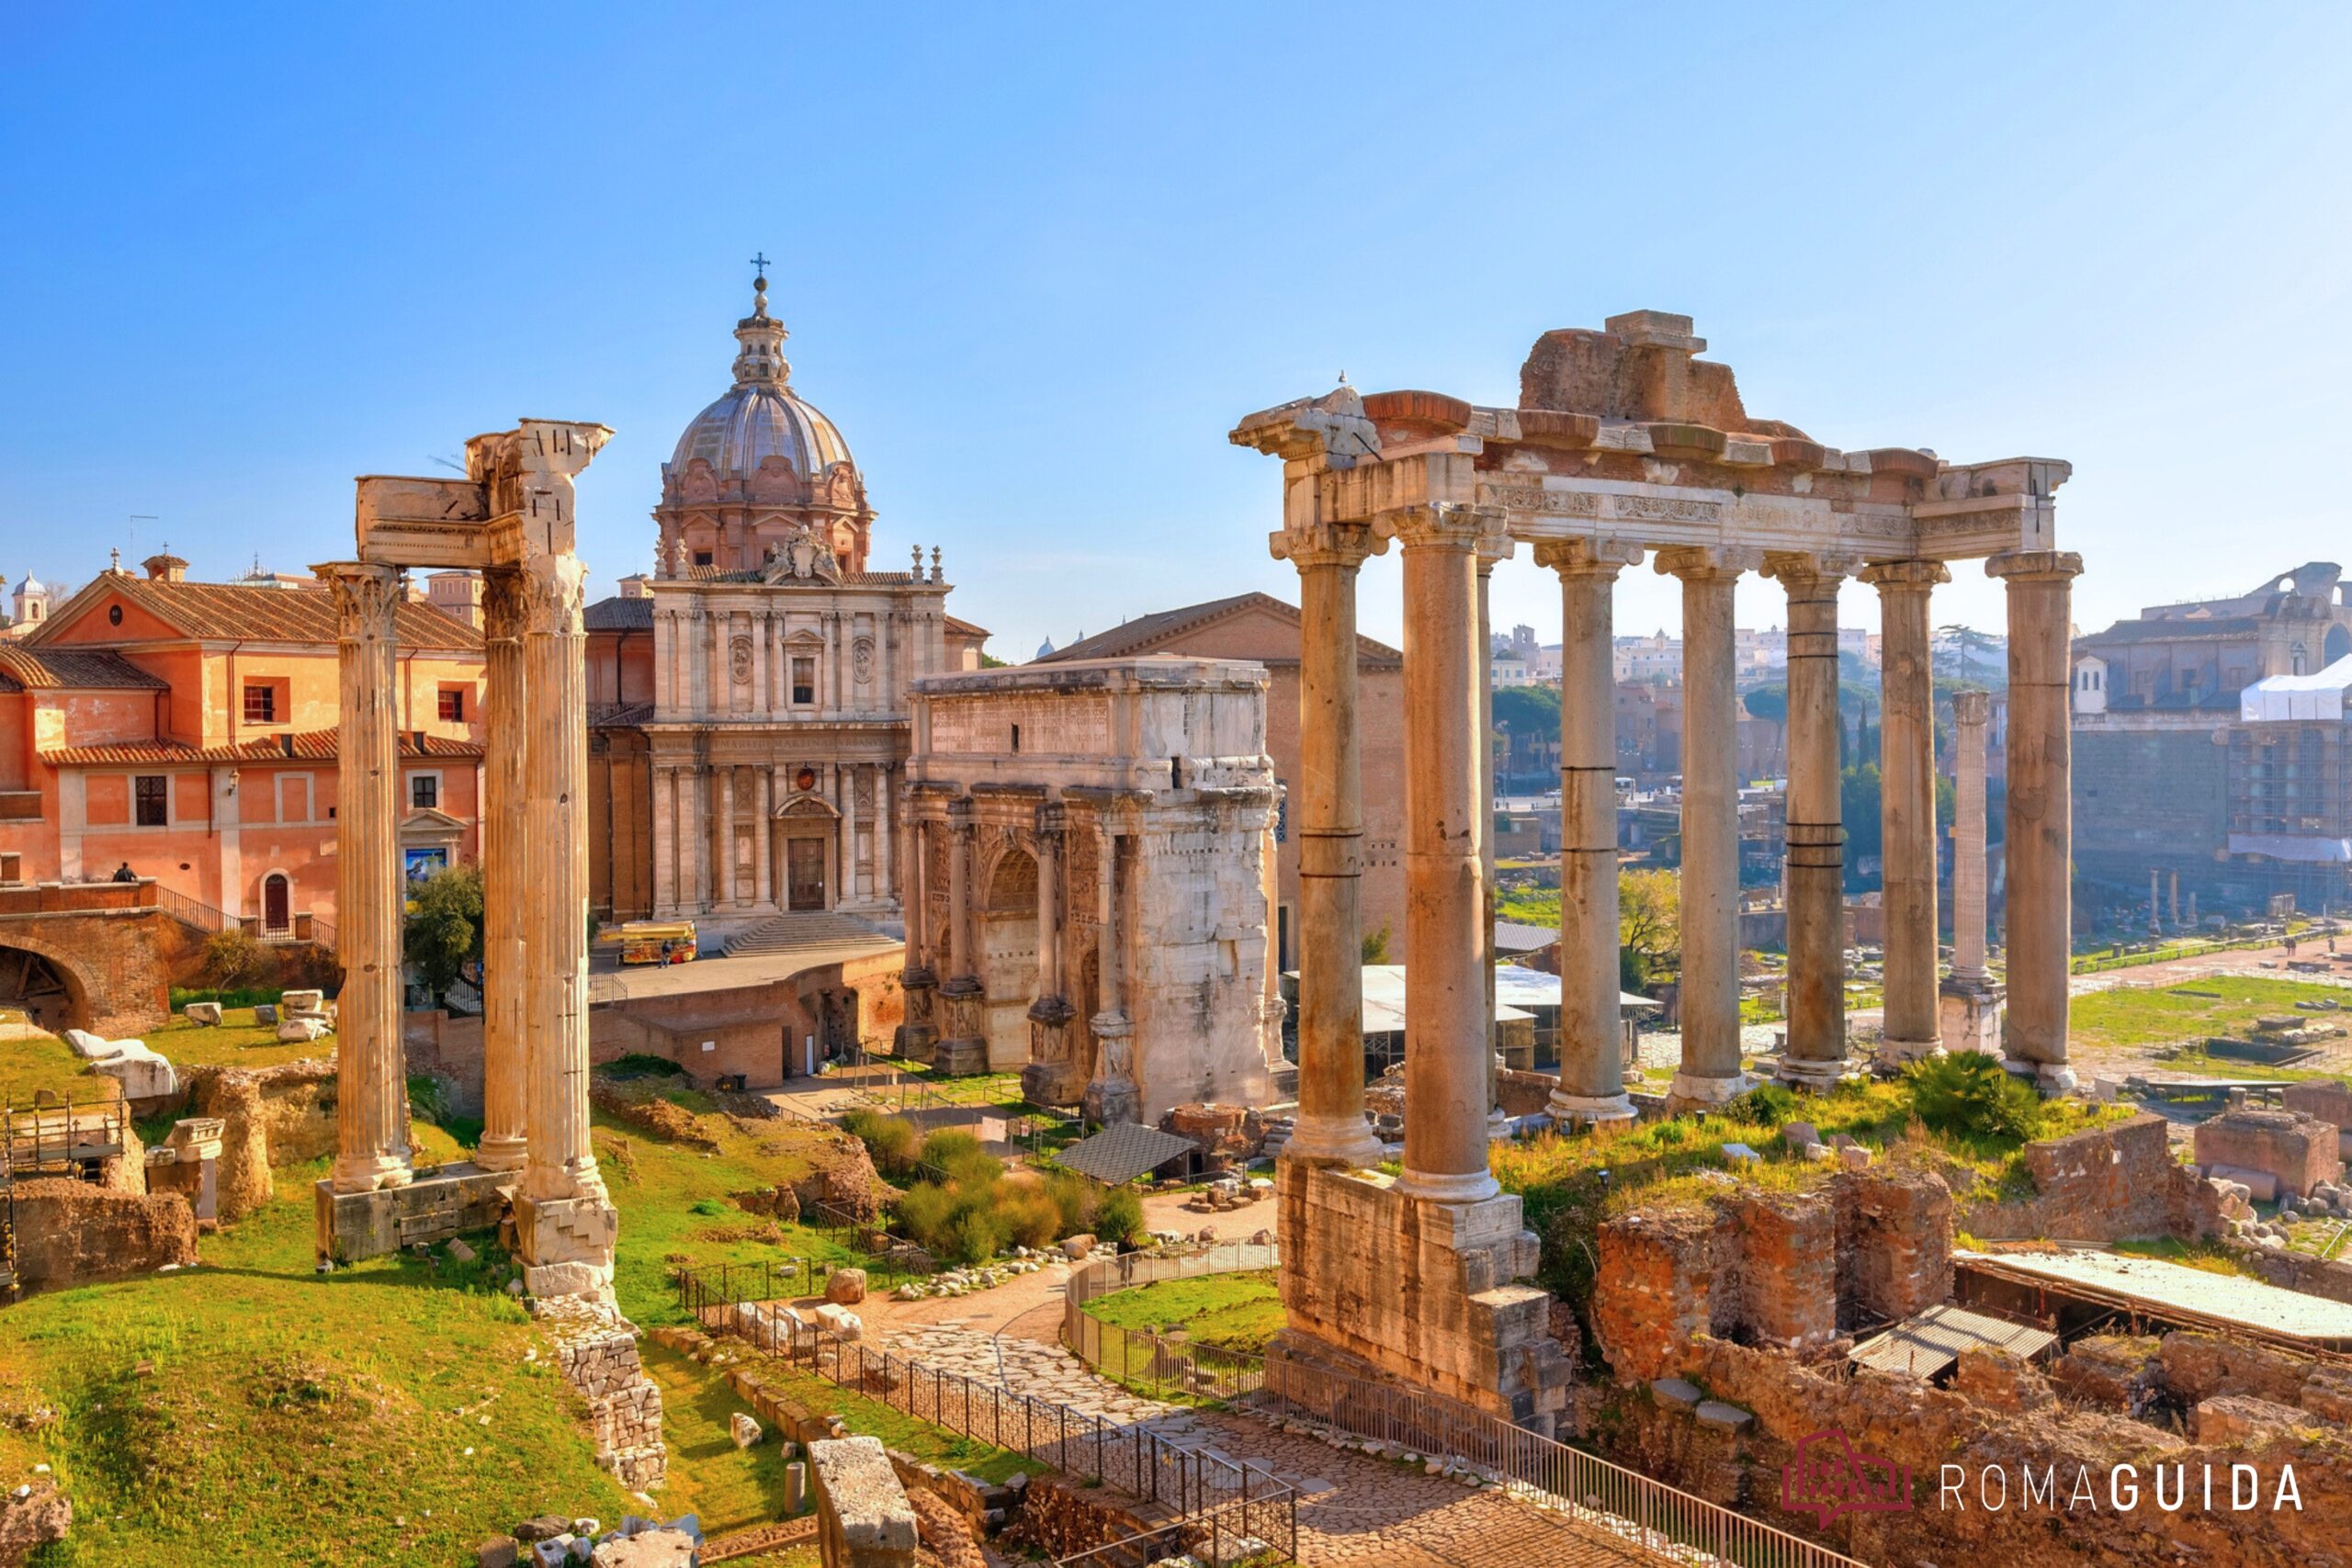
(1928, 1344)
(2164, 1291)
(1120, 1153)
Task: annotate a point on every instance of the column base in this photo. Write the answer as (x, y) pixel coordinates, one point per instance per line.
(370, 1173)
(1110, 1101)
(1590, 1109)
(1900, 1051)
(566, 1245)
(505, 1151)
(1818, 1077)
(1051, 1078)
(1690, 1089)
(963, 1045)
(1970, 1013)
(917, 1041)
(1345, 1142)
(2050, 1077)
(1448, 1186)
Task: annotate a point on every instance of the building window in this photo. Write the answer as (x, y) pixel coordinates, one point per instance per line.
(804, 681)
(425, 791)
(148, 791)
(261, 702)
(702, 558)
(1016, 737)
(11, 870)
(453, 704)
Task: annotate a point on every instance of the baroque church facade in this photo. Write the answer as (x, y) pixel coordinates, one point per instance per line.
(749, 716)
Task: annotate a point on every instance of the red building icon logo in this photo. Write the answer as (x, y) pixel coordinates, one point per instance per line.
(1828, 1478)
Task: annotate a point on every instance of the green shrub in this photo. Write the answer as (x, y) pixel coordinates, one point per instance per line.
(924, 1212)
(1969, 1093)
(959, 1154)
(642, 1064)
(1073, 1199)
(1766, 1105)
(1029, 1214)
(975, 1237)
(1118, 1217)
(888, 1140)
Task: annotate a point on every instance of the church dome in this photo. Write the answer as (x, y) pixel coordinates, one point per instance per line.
(761, 416)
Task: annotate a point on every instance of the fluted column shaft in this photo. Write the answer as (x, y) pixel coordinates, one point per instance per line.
(959, 889)
(1907, 803)
(1816, 856)
(2039, 841)
(1447, 1064)
(371, 1088)
(1592, 1069)
(1710, 993)
(505, 974)
(1327, 809)
(1493, 548)
(1049, 904)
(554, 925)
(1971, 710)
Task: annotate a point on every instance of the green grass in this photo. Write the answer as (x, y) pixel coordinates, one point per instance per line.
(29, 1065)
(730, 1488)
(2201, 1256)
(872, 1418)
(1232, 1312)
(2143, 1015)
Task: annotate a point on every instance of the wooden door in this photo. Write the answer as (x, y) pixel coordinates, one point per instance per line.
(804, 862)
(275, 917)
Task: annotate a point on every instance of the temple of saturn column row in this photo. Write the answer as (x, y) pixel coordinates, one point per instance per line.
(1624, 446)
(511, 519)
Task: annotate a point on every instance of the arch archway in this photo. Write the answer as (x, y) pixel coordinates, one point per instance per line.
(1008, 922)
(45, 988)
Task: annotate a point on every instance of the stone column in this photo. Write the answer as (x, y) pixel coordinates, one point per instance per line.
(1710, 996)
(665, 843)
(885, 829)
(847, 780)
(1907, 803)
(2039, 936)
(763, 837)
(919, 1036)
(1447, 1064)
(1112, 1096)
(963, 1043)
(1971, 712)
(504, 882)
(1814, 863)
(565, 1225)
(1493, 548)
(1592, 1071)
(371, 1086)
(1327, 814)
(730, 887)
(1051, 1078)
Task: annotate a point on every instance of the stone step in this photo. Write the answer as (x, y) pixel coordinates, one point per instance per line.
(792, 933)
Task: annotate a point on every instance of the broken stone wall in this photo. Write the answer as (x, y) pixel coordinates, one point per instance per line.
(596, 1350)
(2299, 1151)
(1653, 1289)
(69, 1233)
(1895, 1230)
(2117, 1183)
(1777, 1282)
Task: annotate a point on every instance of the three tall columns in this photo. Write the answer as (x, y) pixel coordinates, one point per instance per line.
(1815, 855)
(1448, 1064)
(371, 1090)
(1907, 803)
(1592, 1069)
(1710, 1073)
(1328, 810)
(2039, 841)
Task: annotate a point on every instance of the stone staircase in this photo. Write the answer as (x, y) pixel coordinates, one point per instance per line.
(797, 932)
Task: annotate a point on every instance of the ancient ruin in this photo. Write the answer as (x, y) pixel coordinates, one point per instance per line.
(1625, 444)
(1092, 854)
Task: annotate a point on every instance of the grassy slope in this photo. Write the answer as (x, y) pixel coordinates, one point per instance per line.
(47, 1062)
(1235, 1312)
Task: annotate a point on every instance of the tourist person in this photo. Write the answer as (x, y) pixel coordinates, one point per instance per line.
(124, 873)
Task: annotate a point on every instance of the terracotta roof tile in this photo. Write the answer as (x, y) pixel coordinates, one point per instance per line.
(73, 669)
(308, 746)
(1148, 634)
(231, 611)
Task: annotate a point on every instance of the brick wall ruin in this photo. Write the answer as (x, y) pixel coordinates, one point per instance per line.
(2116, 1183)
(2297, 1152)
(596, 1350)
(71, 1233)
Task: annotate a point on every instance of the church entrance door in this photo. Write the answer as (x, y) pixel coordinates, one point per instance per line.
(804, 862)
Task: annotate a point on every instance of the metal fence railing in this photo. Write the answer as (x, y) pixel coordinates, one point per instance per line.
(1658, 1518)
(1245, 1500)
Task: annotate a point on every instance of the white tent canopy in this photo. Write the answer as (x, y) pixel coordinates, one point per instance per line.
(1517, 991)
(2283, 697)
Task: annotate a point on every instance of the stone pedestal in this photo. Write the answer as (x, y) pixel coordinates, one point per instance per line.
(918, 1037)
(1378, 1283)
(349, 1226)
(1971, 1016)
(1113, 1096)
(963, 1045)
(567, 1244)
(1051, 1077)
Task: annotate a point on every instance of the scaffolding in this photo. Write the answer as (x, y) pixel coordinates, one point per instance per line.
(52, 1137)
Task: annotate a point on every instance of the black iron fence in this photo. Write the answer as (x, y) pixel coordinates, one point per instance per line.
(1238, 1500)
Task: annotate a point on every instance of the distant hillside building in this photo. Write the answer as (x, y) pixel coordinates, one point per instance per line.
(2170, 779)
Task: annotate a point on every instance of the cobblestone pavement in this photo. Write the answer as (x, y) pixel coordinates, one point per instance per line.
(1352, 1508)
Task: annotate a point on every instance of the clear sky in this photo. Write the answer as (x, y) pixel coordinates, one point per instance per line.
(1037, 261)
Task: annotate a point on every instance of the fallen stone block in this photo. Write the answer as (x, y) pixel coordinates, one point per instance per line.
(299, 1003)
(2243, 1418)
(265, 1012)
(142, 1074)
(1677, 1394)
(1854, 1157)
(1716, 1415)
(303, 1030)
(845, 1287)
(1821, 1154)
(91, 1047)
(2260, 1186)
(1075, 1248)
(205, 1013)
(1798, 1135)
(1740, 1154)
(743, 1429)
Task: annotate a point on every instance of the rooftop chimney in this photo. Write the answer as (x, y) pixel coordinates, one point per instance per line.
(165, 568)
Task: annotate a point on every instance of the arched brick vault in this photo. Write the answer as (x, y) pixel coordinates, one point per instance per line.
(117, 965)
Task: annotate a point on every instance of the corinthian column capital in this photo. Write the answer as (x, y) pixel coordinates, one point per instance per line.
(1588, 557)
(1800, 570)
(1706, 563)
(2036, 566)
(1341, 545)
(364, 595)
(553, 589)
(501, 604)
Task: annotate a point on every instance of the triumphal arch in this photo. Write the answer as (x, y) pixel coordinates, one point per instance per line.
(511, 519)
(1623, 446)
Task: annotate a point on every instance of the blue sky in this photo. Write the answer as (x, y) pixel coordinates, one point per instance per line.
(1037, 261)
